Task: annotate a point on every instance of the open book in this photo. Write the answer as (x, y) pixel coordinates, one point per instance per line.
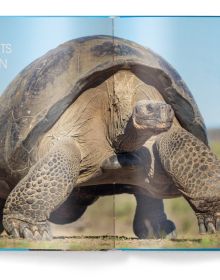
(102, 144)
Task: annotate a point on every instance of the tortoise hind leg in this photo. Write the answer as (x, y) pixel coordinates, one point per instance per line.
(73, 208)
(2, 204)
(46, 186)
(150, 220)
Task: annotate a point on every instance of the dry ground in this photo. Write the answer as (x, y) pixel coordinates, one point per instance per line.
(85, 243)
(96, 228)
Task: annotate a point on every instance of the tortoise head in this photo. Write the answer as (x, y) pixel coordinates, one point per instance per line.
(150, 115)
(149, 118)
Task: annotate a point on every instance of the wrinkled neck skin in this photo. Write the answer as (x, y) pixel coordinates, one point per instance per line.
(122, 132)
(133, 138)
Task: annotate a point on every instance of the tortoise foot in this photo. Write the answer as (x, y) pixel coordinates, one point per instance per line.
(155, 230)
(168, 229)
(208, 223)
(18, 228)
(2, 204)
(150, 220)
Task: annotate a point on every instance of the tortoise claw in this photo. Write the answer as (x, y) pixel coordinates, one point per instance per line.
(208, 223)
(148, 230)
(23, 229)
(202, 229)
(46, 236)
(27, 234)
(15, 233)
(217, 224)
(37, 236)
(172, 235)
(211, 228)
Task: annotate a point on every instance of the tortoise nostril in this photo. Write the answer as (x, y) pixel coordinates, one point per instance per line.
(171, 113)
(149, 107)
(163, 107)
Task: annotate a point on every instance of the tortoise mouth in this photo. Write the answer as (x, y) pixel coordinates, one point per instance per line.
(153, 120)
(152, 124)
(145, 122)
(158, 125)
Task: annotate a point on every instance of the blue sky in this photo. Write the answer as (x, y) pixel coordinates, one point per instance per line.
(191, 45)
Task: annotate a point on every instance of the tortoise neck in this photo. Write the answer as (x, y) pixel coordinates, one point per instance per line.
(132, 139)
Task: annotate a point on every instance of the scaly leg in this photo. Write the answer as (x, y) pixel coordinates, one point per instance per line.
(46, 186)
(196, 172)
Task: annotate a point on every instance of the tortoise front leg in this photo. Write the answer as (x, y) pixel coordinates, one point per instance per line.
(150, 220)
(196, 172)
(42, 190)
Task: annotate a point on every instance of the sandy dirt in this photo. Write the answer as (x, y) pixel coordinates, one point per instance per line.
(85, 243)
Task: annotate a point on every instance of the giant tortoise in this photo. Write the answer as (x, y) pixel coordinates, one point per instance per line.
(99, 116)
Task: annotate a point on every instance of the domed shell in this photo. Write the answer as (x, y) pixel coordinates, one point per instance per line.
(40, 93)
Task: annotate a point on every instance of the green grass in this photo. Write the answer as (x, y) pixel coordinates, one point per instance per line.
(85, 243)
(179, 211)
(215, 146)
(76, 243)
(184, 242)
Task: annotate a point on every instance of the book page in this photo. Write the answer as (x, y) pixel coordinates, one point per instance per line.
(109, 133)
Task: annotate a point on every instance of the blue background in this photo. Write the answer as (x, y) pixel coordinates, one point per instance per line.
(190, 44)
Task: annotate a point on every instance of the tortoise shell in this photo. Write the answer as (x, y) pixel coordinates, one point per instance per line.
(40, 93)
